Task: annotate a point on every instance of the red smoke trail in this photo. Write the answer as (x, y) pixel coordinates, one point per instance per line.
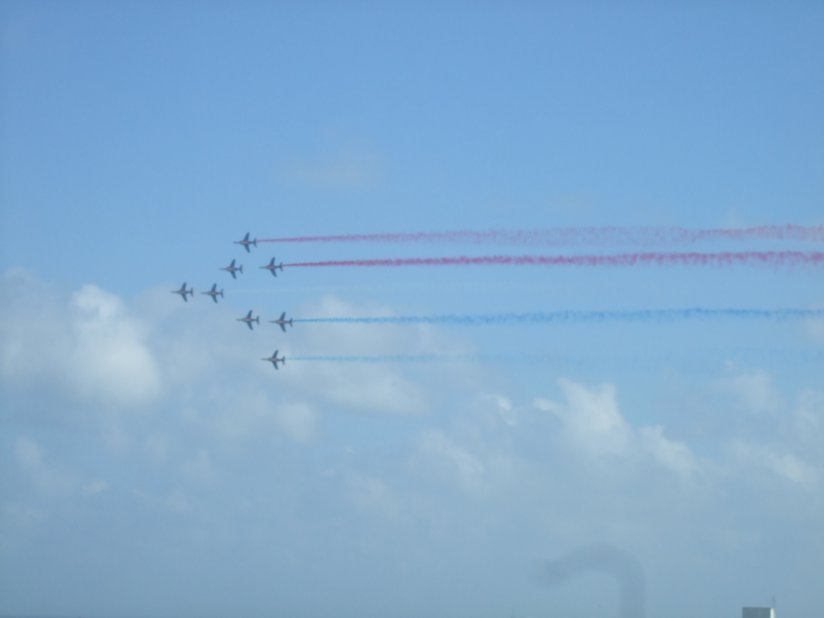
(577, 236)
(726, 258)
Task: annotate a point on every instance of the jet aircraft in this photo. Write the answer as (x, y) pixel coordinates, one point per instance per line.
(282, 321)
(232, 269)
(214, 293)
(246, 242)
(275, 360)
(183, 291)
(272, 267)
(249, 319)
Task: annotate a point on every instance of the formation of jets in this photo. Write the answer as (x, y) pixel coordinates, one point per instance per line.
(233, 269)
(282, 321)
(272, 267)
(246, 242)
(183, 291)
(214, 293)
(275, 360)
(249, 319)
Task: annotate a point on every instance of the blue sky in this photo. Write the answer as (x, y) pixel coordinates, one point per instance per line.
(153, 466)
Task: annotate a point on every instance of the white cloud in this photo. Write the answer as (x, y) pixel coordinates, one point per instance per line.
(453, 462)
(592, 423)
(48, 479)
(298, 420)
(371, 388)
(200, 468)
(809, 416)
(590, 418)
(343, 169)
(158, 447)
(360, 386)
(505, 410)
(94, 487)
(111, 359)
(87, 345)
(253, 413)
(816, 329)
(753, 390)
(784, 465)
(669, 453)
(174, 501)
(22, 516)
(373, 495)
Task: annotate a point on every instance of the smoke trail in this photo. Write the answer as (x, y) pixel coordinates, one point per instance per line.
(639, 315)
(645, 361)
(598, 236)
(726, 258)
(403, 359)
(389, 358)
(615, 562)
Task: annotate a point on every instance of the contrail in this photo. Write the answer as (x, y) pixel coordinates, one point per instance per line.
(724, 258)
(635, 315)
(598, 236)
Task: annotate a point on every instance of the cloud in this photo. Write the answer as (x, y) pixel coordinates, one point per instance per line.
(48, 479)
(374, 495)
(251, 413)
(174, 501)
(669, 453)
(453, 462)
(753, 390)
(89, 348)
(815, 328)
(380, 388)
(592, 424)
(200, 467)
(791, 451)
(479, 451)
(590, 418)
(86, 345)
(298, 420)
(94, 487)
(111, 359)
(808, 418)
(351, 169)
(505, 409)
(784, 465)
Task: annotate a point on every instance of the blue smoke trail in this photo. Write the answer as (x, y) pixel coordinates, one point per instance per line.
(637, 315)
(392, 358)
(645, 361)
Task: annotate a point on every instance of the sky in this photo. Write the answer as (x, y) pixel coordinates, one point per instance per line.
(152, 466)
